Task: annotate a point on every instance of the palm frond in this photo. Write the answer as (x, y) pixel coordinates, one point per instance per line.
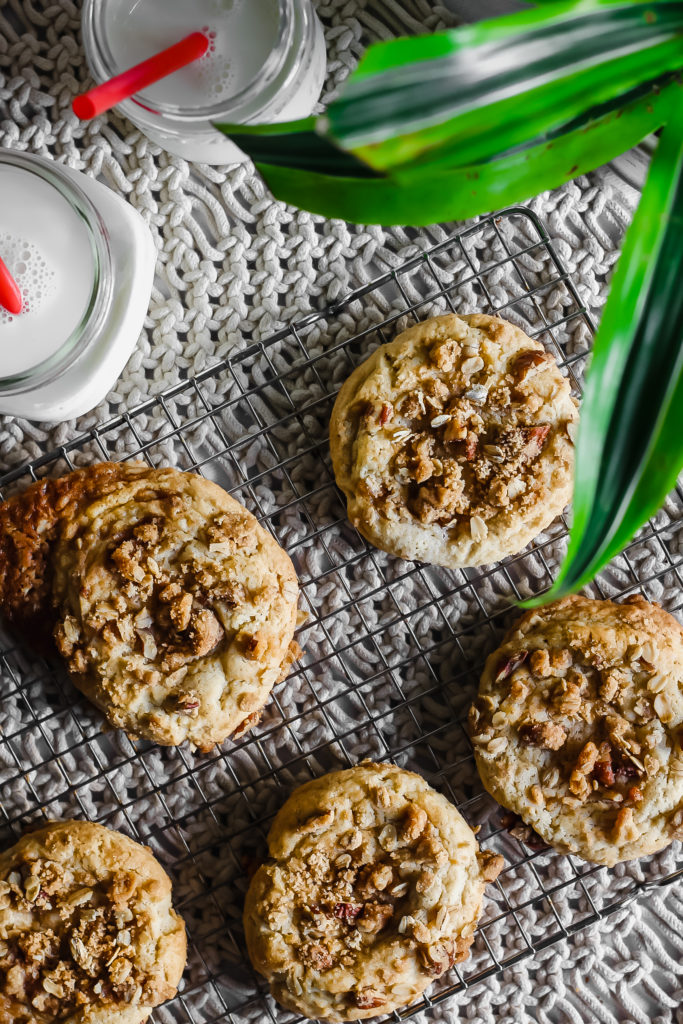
(630, 441)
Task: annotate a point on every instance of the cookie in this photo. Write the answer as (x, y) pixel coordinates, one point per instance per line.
(373, 888)
(578, 727)
(173, 609)
(453, 443)
(88, 934)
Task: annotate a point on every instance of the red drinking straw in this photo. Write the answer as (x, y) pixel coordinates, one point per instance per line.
(122, 87)
(10, 296)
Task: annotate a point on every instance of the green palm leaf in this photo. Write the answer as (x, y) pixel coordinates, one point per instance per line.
(630, 441)
(489, 87)
(459, 193)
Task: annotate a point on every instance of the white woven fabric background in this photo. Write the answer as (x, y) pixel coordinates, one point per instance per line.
(233, 267)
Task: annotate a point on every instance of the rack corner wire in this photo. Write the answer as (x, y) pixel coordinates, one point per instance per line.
(392, 649)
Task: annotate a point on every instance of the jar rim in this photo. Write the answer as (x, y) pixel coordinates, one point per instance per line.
(103, 67)
(86, 330)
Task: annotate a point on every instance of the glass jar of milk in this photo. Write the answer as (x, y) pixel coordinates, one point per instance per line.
(84, 262)
(266, 62)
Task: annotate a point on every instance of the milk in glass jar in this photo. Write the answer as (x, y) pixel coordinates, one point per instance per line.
(83, 260)
(266, 62)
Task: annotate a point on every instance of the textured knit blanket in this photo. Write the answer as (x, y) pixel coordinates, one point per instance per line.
(391, 649)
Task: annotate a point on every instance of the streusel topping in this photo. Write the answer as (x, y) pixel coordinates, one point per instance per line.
(79, 948)
(167, 600)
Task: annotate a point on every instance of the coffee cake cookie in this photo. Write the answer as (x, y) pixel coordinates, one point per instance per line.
(453, 443)
(88, 934)
(578, 726)
(373, 888)
(173, 608)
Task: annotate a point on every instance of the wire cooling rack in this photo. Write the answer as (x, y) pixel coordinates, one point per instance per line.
(393, 649)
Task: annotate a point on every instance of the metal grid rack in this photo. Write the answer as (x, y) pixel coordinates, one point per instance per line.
(392, 648)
